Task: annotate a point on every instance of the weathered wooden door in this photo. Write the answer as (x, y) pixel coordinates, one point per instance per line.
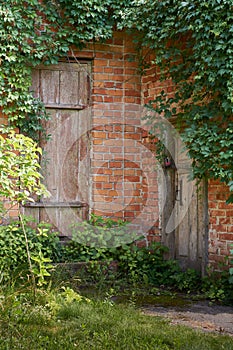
(185, 220)
(65, 91)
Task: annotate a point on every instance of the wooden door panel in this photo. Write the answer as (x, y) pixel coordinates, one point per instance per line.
(69, 87)
(49, 86)
(66, 158)
(187, 217)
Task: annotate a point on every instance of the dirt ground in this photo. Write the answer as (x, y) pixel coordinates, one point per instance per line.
(200, 315)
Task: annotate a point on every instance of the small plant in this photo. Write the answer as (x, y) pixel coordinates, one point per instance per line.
(99, 232)
(188, 280)
(20, 178)
(44, 247)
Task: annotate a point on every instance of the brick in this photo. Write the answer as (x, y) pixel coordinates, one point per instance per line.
(108, 70)
(118, 71)
(103, 171)
(227, 220)
(97, 185)
(97, 156)
(224, 205)
(97, 163)
(133, 136)
(129, 128)
(217, 212)
(118, 41)
(116, 63)
(132, 178)
(118, 99)
(100, 62)
(113, 193)
(99, 134)
(114, 142)
(118, 172)
(115, 164)
(101, 178)
(105, 55)
(100, 91)
(134, 207)
(130, 165)
(98, 70)
(116, 106)
(129, 172)
(97, 142)
(100, 148)
(220, 196)
(119, 86)
(226, 236)
(116, 150)
(97, 98)
(112, 135)
(100, 192)
(129, 214)
(107, 185)
(108, 99)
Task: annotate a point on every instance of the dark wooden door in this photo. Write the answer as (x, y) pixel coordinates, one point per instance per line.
(65, 91)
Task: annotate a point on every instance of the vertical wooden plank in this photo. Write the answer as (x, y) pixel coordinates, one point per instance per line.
(84, 155)
(183, 214)
(35, 88)
(69, 156)
(193, 230)
(49, 86)
(69, 87)
(83, 88)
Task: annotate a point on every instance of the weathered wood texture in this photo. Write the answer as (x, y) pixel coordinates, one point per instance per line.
(64, 89)
(186, 229)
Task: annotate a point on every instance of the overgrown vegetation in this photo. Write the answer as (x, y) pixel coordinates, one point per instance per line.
(63, 319)
(35, 32)
(193, 46)
(61, 315)
(123, 269)
(20, 180)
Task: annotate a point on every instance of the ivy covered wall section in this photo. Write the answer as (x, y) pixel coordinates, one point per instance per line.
(193, 42)
(35, 32)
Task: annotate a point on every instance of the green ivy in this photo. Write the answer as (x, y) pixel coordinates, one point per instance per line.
(193, 43)
(44, 247)
(34, 32)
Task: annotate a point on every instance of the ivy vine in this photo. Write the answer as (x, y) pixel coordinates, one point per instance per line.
(193, 42)
(34, 32)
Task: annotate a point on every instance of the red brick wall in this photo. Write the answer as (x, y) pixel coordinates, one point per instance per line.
(124, 176)
(123, 168)
(220, 224)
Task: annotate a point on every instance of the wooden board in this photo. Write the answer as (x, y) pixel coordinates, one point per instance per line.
(185, 219)
(65, 90)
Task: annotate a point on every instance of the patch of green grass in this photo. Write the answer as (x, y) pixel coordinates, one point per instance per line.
(96, 325)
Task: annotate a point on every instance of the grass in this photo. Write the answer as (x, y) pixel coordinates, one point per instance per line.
(66, 321)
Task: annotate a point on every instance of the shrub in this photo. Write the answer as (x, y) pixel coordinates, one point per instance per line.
(13, 253)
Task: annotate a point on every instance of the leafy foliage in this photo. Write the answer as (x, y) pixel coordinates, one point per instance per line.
(103, 232)
(35, 32)
(20, 180)
(193, 43)
(44, 248)
(19, 168)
